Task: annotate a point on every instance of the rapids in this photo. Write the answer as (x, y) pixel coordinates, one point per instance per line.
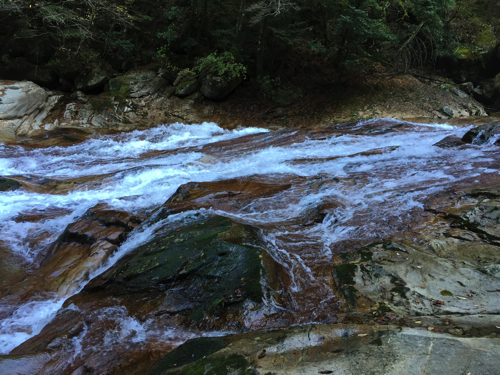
(343, 186)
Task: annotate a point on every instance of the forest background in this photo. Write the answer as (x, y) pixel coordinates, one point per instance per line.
(278, 46)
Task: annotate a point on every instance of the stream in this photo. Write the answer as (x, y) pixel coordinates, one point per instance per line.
(307, 195)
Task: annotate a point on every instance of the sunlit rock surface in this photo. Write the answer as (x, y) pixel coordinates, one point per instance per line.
(120, 247)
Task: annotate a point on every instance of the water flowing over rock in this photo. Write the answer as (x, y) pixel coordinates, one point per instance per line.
(357, 247)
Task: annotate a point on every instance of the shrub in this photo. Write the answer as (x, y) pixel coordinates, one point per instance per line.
(223, 65)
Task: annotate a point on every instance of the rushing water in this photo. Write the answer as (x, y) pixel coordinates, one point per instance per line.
(370, 178)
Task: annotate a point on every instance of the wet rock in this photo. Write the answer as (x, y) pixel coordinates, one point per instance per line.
(481, 134)
(433, 273)
(450, 142)
(203, 272)
(216, 88)
(338, 349)
(191, 351)
(186, 88)
(99, 228)
(96, 79)
(6, 184)
(83, 247)
(233, 193)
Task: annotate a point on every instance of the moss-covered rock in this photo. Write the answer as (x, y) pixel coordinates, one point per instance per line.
(136, 84)
(189, 352)
(186, 88)
(6, 184)
(202, 268)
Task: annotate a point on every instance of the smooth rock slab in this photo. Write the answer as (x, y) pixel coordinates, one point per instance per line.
(20, 98)
(337, 349)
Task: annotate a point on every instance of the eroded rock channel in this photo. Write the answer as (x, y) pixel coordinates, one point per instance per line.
(367, 247)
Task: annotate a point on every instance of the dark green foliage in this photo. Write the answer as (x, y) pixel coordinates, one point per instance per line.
(222, 65)
(258, 39)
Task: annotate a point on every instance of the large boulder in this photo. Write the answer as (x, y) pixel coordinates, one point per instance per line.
(137, 84)
(186, 88)
(216, 88)
(204, 270)
(96, 79)
(482, 134)
(23, 106)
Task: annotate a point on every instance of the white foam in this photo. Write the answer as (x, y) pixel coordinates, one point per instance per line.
(27, 321)
(393, 183)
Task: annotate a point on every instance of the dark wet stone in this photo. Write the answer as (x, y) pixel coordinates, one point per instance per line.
(204, 267)
(450, 142)
(481, 134)
(191, 351)
(6, 184)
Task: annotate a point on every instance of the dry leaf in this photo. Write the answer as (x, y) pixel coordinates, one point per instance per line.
(430, 328)
(418, 322)
(363, 334)
(262, 354)
(417, 300)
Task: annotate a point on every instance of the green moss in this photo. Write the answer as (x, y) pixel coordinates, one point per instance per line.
(101, 102)
(234, 363)
(189, 352)
(6, 184)
(184, 84)
(197, 315)
(119, 87)
(366, 256)
(382, 308)
(345, 273)
(195, 261)
(399, 287)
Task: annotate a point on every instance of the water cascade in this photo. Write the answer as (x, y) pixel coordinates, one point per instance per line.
(306, 195)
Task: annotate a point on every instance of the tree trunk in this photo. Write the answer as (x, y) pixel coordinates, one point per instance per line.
(260, 48)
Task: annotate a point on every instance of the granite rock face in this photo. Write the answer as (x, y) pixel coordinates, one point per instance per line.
(23, 106)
